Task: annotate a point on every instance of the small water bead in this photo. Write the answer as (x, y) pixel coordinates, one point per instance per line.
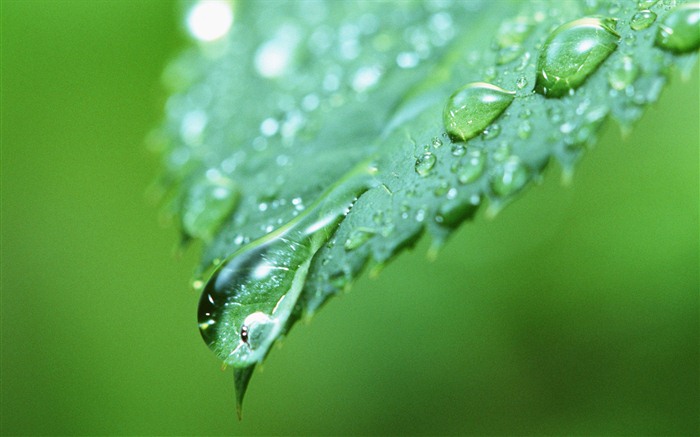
(458, 149)
(473, 107)
(437, 142)
(679, 32)
(514, 32)
(623, 74)
(441, 189)
(521, 82)
(454, 212)
(357, 238)
(524, 130)
(425, 163)
(472, 168)
(508, 54)
(509, 177)
(572, 53)
(492, 131)
(642, 20)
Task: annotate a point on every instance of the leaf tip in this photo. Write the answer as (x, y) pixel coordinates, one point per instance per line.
(241, 378)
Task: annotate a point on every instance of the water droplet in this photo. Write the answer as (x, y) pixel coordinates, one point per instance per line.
(492, 131)
(508, 54)
(473, 107)
(509, 177)
(521, 82)
(646, 4)
(441, 189)
(357, 238)
(454, 212)
(513, 32)
(437, 142)
(524, 130)
(623, 74)
(572, 53)
(209, 202)
(642, 19)
(425, 163)
(472, 168)
(679, 31)
(247, 301)
(458, 149)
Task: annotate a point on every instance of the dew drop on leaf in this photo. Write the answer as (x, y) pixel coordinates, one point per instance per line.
(458, 149)
(492, 131)
(357, 238)
(642, 20)
(473, 107)
(680, 30)
(623, 74)
(255, 290)
(425, 163)
(509, 177)
(472, 167)
(572, 53)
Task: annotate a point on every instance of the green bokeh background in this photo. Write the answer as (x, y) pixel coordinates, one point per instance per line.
(575, 311)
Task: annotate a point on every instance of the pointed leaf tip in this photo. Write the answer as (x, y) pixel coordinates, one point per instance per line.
(241, 378)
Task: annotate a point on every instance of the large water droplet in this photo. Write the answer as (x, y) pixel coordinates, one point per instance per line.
(425, 163)
(572, 53)
(642, 19)
(473, 107)
(680, 30)
(247, 301)
(509, 177)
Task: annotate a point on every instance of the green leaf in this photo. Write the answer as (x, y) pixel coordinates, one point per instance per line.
(308, 141)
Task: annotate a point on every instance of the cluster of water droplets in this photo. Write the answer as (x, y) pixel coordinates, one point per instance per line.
(569, 55)
(313, 68)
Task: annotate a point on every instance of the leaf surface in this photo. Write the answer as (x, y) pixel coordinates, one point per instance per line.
(295, 95)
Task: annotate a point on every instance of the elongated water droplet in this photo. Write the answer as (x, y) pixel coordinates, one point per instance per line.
(572, 53)
(357, 238)
(247, 301)
(209, 202)
(642, 19)
(472, 168)
(425, 163)
(473, 107)
(680, 30)
(509, 177)
(623, 74)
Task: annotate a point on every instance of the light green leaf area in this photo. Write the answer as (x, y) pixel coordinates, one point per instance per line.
(262, 121)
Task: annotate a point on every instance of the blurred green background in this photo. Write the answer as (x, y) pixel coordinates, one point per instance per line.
(575, 311)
